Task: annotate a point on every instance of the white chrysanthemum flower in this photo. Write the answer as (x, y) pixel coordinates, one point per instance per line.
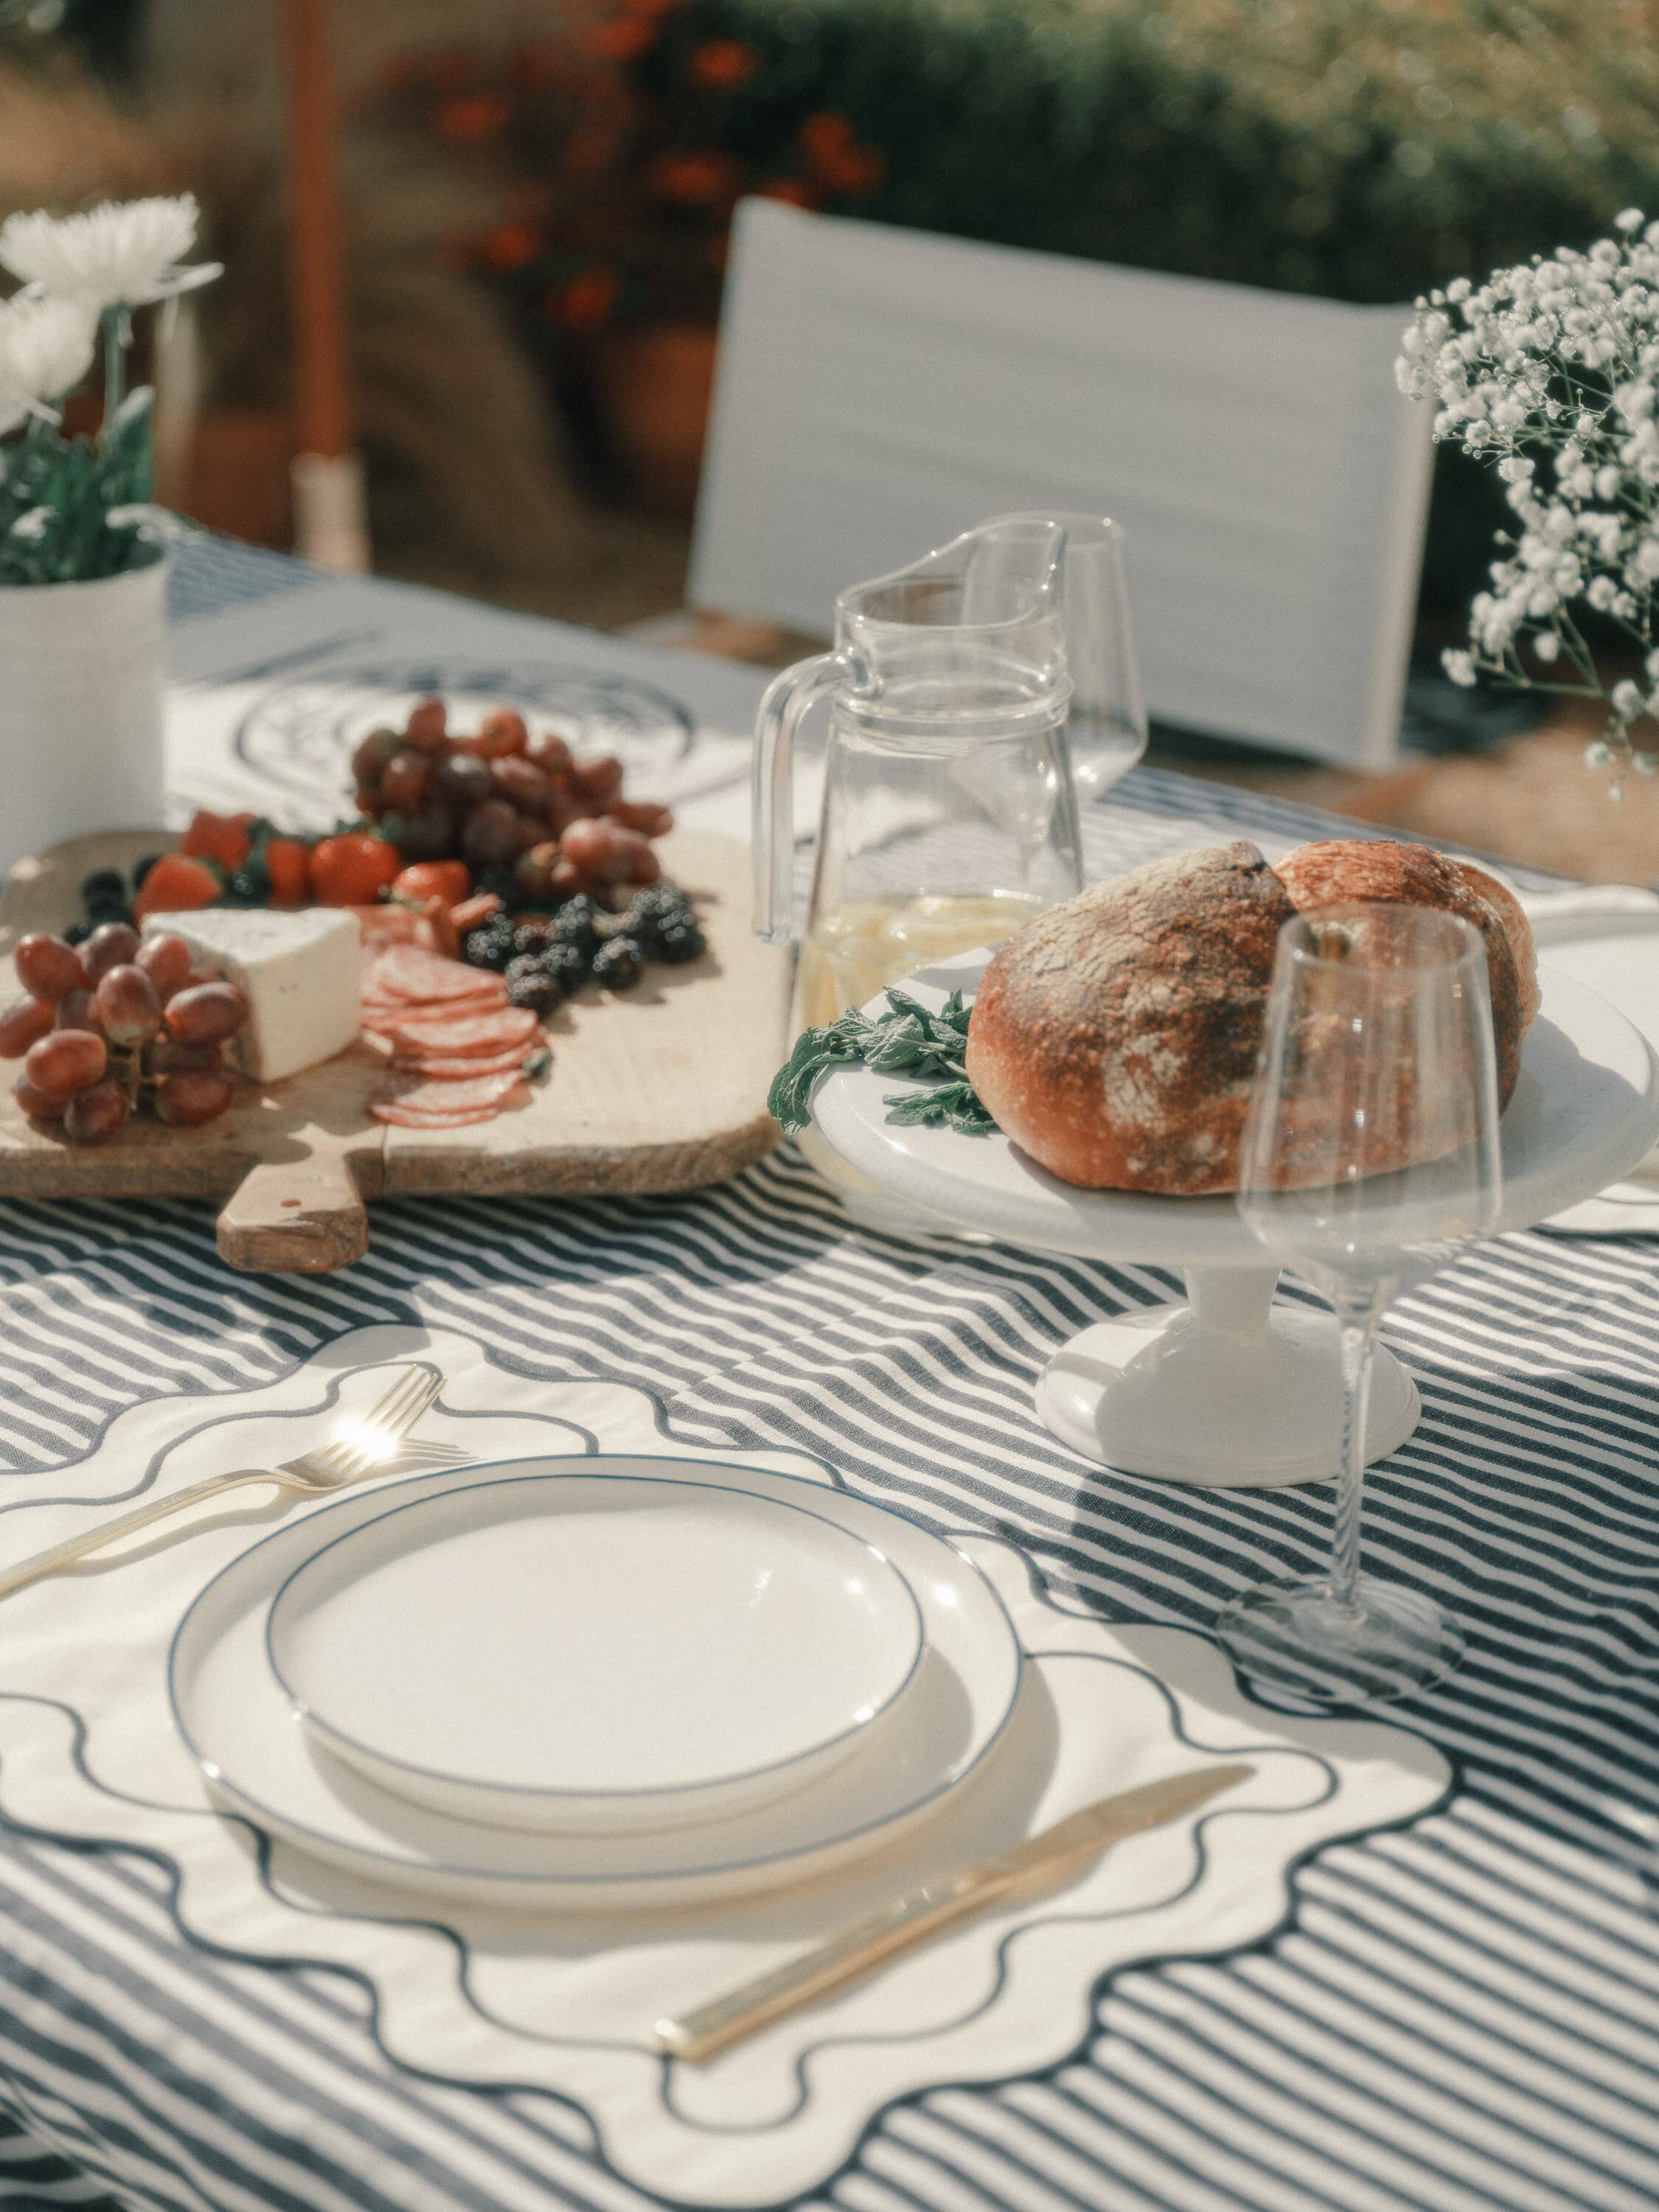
(123, 254)
(46, 349)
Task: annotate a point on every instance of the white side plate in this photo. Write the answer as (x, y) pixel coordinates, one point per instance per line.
(594, 1653)
(239, 1726)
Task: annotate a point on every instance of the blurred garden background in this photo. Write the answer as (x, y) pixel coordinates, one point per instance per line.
(538, 195)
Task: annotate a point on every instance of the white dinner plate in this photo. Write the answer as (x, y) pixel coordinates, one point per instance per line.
(237, 1722)
(595, 1653)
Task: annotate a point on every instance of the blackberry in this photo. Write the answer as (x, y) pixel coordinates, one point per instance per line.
(576, 922)
(676, 941)
(536, 989)
(530, 937)
(619, 964)
(249, 886)
(651, 913)
(569, 966)
(490, 947)
(105, 887)
(77, 933)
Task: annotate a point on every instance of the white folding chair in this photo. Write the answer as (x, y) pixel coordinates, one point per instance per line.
(879, 390)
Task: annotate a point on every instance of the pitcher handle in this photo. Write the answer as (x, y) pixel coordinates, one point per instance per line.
(787, 699)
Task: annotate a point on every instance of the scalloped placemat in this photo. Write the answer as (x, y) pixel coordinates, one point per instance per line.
(565, 2003)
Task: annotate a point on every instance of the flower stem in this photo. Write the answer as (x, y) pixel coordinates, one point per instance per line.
(118, 337)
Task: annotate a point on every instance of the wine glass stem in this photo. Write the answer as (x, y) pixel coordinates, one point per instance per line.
(1358, 1336)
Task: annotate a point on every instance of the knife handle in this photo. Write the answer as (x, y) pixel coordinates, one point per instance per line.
(858, 1950)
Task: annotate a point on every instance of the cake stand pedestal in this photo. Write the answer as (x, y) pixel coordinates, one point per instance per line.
(1230, 1390)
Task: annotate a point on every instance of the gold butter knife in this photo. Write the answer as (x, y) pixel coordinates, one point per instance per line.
(925, 1912)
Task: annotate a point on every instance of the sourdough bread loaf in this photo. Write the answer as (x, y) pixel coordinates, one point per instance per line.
(1115, 1038)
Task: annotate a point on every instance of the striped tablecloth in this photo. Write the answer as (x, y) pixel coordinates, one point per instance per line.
(1462, 2013)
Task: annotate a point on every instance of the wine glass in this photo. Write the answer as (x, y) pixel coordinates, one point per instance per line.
(1370, 1156)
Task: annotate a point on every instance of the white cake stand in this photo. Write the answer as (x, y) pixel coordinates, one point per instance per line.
(1230, 1390)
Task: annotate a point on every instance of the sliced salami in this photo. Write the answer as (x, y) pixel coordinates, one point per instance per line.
(486, 1033)
(454, 1068)
(417, 1093)
(424, 1109)
(408, 972)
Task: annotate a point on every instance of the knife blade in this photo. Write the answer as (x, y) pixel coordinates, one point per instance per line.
(923, 1913)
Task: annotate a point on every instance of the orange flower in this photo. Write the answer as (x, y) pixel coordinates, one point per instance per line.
(533, 63)
(624, 39)
(824, 137)
(696, 180)
(586, 153)
(472, 115)
(791, 192)
(514, 246)
(722, 65)
(585, 303)
(855, 170)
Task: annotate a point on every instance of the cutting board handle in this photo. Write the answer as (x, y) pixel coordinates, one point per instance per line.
(300, 1217)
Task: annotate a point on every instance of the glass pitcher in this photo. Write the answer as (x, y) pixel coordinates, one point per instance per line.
(970, 696)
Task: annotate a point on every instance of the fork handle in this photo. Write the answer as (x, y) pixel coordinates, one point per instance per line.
(125, 1524)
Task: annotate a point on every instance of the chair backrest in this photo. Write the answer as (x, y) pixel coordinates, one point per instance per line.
(879, 390)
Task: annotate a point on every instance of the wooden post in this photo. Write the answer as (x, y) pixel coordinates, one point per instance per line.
(330, 522)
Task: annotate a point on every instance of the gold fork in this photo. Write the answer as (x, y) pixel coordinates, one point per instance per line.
(364, 1444)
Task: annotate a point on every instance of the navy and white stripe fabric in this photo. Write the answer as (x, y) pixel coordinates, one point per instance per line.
(1458, 2016)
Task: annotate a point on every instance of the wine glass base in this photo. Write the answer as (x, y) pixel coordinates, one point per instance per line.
(1296, 1647)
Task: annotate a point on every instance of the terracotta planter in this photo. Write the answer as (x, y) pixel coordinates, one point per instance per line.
(653, 386)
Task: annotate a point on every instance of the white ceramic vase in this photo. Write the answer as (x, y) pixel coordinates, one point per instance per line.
(82, 672)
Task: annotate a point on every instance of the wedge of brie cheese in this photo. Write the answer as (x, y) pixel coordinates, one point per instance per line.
(301, 973)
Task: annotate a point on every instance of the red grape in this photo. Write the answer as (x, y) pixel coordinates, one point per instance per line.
(521, 784)
(372, 753)
(425, 727)
(463, 780)
(21, 1025)
(166, 961)
(68, 1059)
(599, 780)
(37, 1105)
(533, 874)
(110, 944)
(75, 1011)
(502, 733)
(403, 781)
(48, 967)
(641, 814)
(491, 836)
(206, 1012)
(171, 1058)
(94, 1116)
(185, 1101)
(128, 1009)
(552, 755)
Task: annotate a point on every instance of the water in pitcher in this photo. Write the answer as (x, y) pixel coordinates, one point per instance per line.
(853, 950)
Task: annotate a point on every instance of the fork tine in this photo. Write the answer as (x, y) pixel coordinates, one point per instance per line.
(393, 1415)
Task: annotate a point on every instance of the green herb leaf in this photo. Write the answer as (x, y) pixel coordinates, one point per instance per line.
(908, 1040)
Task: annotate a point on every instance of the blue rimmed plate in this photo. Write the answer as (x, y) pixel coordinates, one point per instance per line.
(238, 1724)
(594, 1653)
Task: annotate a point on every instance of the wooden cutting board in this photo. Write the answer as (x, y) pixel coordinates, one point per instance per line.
(660, 1089)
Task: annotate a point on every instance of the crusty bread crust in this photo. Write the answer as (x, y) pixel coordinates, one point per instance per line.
(1115, 1038)
(1340, 871)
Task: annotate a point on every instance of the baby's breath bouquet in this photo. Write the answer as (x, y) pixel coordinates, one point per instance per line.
(1550, 371)
(73, 509)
